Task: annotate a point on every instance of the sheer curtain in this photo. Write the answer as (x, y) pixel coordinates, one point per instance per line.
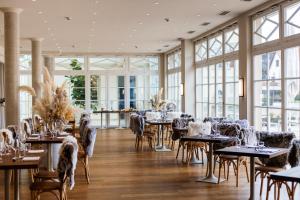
(2, 114)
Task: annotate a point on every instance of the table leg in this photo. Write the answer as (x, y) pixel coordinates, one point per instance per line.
(101, 120)
(210, 178)
(49, 157)
(195, 160)
(252, 178)
(162, 147)
(16, 184)
(6, 184)
(120, 121)
(158, 138)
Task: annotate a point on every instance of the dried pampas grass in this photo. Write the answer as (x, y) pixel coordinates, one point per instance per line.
(27, 89)
(54, 104)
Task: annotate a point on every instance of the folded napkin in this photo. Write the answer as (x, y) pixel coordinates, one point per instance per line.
(33, 138)
(268, 150)
(35, 135)
(31, 158)
(36, 151)
(61, 137)
(63, 134)
(251, 146)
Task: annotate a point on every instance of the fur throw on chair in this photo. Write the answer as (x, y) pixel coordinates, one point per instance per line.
(14, 129)
(7, 136)
(68, 160)
(275, 139)
(294, 155)
(89, 138)
(25, 128)
(195, 128)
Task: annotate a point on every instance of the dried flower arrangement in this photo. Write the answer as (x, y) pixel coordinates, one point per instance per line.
(157, 102)
(53, 106)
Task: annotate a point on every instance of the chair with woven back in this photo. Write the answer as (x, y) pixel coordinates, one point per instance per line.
(88, 143)
(232, 130)
(65, 172)
(265, 166)
(277, 181)
(179, 129)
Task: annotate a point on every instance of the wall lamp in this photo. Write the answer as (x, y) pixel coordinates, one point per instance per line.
(241, 87)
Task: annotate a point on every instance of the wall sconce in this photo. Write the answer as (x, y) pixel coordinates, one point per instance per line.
(181, 89)
(241, 87)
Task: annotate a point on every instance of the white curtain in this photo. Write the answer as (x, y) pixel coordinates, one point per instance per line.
(2, 112)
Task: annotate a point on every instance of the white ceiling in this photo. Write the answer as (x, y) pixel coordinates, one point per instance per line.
(119, 26)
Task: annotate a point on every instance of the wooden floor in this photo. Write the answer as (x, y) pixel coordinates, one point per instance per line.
(119, 172)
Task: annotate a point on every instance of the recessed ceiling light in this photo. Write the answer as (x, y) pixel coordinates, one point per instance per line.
(166, 45)
(167, 19)
(205, 23)
(134, 30)
(191, 32)
(214, 4)
(140, 23)
(158, 49)
(33, 0)
(68, 18)
(94, 13)
(225, 12)
(198, 15)
(45, 21)
(147, 14)
(49, 29)
(96, 2)
(156, 3)
(40, 12)
(135, 46)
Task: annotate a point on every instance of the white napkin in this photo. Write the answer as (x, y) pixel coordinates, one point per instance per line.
(62, 137)
(32, 138)
(63, 134)
(35, 134)
(31, 158)
(36, 151)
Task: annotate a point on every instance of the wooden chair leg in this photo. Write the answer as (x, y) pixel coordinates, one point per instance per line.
(268, 188)
(237, 172)
(179, 146)
(262, 176)
(247, 174)
(87, 170)
(221, 163)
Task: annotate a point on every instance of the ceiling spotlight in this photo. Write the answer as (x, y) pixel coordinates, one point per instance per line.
(158, 49)
(49, 29)
(45, 21)
(147, 14)
(167, 19)
(166, 45)
(96, 2)
(140, 23)
(68, 18)
(33, 0)
(40, 12)
(135, 46)
(156, 3)
(198, 15)
(214, 4)
(134, 30)
(94, 13)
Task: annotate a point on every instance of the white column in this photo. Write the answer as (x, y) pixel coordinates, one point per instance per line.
(188, 77)
(162, 74)
(37, 69)
(11, 55)
(245, 67)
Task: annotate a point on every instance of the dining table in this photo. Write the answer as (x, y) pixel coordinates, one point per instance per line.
(160, 123)
(211, 140)
(49, 141)
(10, 162)
(252, 152)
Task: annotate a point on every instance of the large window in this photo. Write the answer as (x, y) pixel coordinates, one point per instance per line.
(174, 78)
(292, 88)
(276, 72)
(231, 88)
(266, 28)
(292, 19)
(217, 72)
(267, 91)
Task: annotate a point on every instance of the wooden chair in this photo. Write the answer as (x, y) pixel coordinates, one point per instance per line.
(64, 172)
(278, 179)
(265, 167)
(233, 130)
